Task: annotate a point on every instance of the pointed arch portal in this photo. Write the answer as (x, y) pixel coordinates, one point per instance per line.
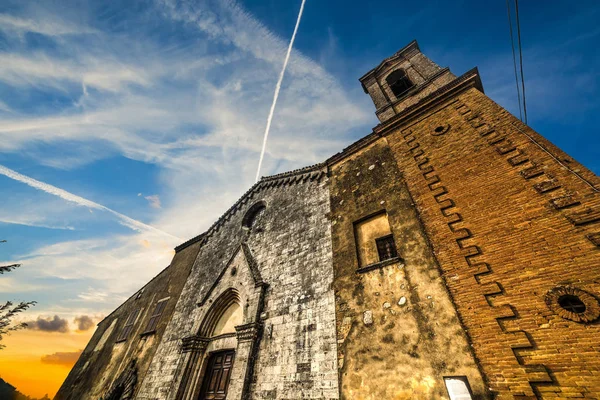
(219, 358)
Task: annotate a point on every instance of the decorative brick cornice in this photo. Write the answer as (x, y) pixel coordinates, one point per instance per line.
(447, 92)
(413, 91)
(248, 332)
(520, 339)
(194, 344)
(544, 183)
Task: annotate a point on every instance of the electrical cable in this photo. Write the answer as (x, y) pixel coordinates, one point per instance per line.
(521, 60)
(512, 44)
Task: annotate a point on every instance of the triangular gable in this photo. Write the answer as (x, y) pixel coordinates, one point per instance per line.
(250, 263)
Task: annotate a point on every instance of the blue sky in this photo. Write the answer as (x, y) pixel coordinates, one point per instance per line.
(156, 109)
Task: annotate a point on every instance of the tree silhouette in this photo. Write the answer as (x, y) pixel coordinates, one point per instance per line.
(9, 310)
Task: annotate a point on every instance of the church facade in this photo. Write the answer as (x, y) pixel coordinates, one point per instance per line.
(452, 253)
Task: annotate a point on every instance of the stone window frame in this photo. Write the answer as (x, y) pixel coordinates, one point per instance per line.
(378, 264)
(592, 306)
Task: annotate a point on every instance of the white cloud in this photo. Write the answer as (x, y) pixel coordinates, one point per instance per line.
(73, 277)
(11, 284)
(196, 113)
(53, 190)
(19, 220)
(42, 70)
(48, 27)
(94, 296)
(154, 201)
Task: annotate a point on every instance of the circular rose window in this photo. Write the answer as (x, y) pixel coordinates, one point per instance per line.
(573, 304)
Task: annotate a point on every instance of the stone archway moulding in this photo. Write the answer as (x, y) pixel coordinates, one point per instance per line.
(240, 282)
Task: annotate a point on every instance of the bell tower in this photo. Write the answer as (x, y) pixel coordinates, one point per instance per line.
(402, 80)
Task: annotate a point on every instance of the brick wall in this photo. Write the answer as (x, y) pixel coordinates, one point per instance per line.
(509, 220)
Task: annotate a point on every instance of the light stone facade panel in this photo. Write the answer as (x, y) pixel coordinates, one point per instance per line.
(291, 246)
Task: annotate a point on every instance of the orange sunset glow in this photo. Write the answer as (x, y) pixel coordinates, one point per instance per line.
(37, 363)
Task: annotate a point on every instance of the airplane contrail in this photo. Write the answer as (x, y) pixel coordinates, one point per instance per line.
(277, 88)
(73, 198)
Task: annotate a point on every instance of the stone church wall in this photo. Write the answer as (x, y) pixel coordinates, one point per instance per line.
(398, 333)
(103, 360)
(493, 226)
(297, 354)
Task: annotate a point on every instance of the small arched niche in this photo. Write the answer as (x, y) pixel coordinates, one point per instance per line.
(230, 318)
(253, 215)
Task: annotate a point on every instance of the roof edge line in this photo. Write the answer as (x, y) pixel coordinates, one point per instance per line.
(254, 188)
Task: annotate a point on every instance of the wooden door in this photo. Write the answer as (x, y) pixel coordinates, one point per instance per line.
(216, 378)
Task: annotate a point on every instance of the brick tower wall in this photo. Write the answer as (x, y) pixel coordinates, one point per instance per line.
(510, 218)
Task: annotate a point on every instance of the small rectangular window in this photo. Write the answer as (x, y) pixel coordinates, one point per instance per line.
(374, 240)
(128, 326)
(155, 317)
(386, 247)
(458, 388)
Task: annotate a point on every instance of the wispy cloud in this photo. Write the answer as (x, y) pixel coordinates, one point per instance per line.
(11, 284)
(53, 190)
(48, 27)
(94, 295)
(154, 201)
(191, 108)
(34, 224)
(92, 271)
(67, 359)
(43, 70)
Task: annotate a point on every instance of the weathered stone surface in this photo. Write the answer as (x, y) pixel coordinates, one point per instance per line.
(103, 360)
(488, 220)
(417, 345)
(292, 250)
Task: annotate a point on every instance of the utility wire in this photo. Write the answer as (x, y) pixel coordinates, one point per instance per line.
(512, 44)
(521, 59)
